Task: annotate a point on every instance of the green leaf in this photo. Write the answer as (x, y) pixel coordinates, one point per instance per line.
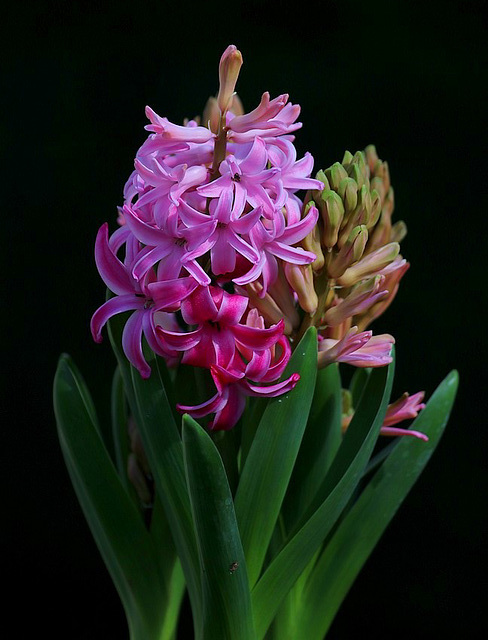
(119, 427)
(327, 506)
(225, 589)
(358, 383)
(320, 443)
(164, 450)
(124, 543)
(359, 532)
(273, 452)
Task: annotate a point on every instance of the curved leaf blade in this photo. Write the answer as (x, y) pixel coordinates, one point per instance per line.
(225, 589)
(346, 553)
(272, 455)
(332, 497)
(321, 440)
(124, 543)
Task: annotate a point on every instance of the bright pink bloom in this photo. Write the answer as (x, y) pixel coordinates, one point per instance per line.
(271, 118)
(274, 240)
(405, 408)
(130, 296)
(359, 349)
(219, 332)
(245, 180)
(230, 400)
(220, 231)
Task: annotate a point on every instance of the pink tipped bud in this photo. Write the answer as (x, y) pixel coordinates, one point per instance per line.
(370, 264)
(300, 278)
(230, 65)
(361, 298)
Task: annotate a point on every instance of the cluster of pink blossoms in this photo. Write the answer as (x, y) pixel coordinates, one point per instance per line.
(206, 253)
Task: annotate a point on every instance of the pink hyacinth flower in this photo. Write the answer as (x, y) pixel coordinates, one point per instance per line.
(131, 295)
(275, 240)
(358, 349)
(405, 408)
(230, 400)
(219, 332)
(245, 180)
(271, 118)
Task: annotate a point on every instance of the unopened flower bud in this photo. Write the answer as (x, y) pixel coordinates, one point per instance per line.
(332, 210)
(230, 65)
(361, 297)
(211, 115)
(323, 178)
(389, 201)
(312, 242)
(370, 264)
(371, 156)
(377, 185)
(398, 231)
(355, 173)
(375, 209)
(347, 159)
(268, 307)
(301, 279)
(348, 190)
(381, 232)
(336, 173)
(360, 159)
(350, 252)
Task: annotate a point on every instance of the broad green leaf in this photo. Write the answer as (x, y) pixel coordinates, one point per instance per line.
(273, 452)
(358, 383)
(320, 443)
(335, 492)
(162, 444)
(124, 543)
(169, 568)
(225, 589)
(358, 533)
(164, 451)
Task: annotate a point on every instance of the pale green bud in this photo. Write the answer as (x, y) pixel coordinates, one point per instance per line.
(332, 211)
(355, 173)
(347, 159)
(336, 173)
(350, 252)
(375, 209)
(300, 279)
(348, 190)
(312, 243)
(370, 264)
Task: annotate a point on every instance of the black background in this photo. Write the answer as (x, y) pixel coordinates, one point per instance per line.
(407, 76)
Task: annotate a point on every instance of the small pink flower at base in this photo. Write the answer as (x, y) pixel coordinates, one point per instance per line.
(219, 331)
(359, 349)
(404, 408)
(230, 400)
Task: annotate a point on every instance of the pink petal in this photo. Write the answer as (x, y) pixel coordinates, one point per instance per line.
(112, 271)
(131, 343)
(110, 308)
(393, 431)
(169, 295)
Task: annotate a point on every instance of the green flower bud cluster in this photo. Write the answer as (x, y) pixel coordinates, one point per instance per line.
(355, 208)
(354, 238)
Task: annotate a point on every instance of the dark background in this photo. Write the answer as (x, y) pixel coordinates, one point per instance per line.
(407, 76)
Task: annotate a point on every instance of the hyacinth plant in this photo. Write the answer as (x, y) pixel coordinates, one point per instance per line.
(238, 469)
